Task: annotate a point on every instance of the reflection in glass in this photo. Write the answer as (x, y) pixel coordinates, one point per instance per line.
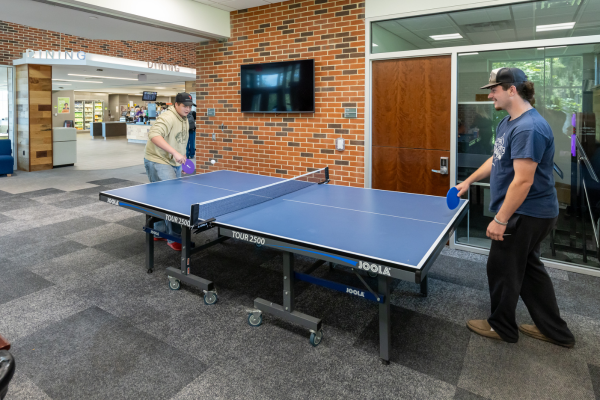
(4, 106)
(568, 97)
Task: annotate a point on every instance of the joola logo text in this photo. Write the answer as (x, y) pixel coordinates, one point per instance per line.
(178, 220)
(355, 292)
(378, 269)
(112, 201)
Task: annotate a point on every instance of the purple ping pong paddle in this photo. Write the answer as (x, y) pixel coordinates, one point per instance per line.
(573, 146)
(452, 198)
(188, 167)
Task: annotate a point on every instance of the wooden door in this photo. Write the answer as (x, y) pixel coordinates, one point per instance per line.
(411, 124)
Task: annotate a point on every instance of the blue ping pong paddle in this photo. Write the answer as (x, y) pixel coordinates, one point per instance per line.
(188, 167)
(452, 198)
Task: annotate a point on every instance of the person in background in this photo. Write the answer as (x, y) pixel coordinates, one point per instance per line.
(163, 157)
(191, 145)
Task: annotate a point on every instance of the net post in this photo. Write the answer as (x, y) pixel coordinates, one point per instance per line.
(194, 212)
(326, 174)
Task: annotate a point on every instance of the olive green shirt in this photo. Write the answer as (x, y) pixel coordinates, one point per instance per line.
(175, 130)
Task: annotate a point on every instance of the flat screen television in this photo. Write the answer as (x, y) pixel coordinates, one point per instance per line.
(279, 87)
(149, 96)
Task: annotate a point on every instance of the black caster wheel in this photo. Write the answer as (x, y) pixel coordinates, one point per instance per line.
(174, 284)
(210, 298)
(315, 338)
(150, 270)
(254, 320)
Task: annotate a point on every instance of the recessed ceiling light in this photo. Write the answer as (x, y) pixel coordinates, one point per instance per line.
(447, 37)
(556, 47)
(73, 80)
(375, 45)
(468, 54)
(104, 77)
(554, 27)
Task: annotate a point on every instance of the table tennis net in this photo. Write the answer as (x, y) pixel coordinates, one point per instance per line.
(228, 204)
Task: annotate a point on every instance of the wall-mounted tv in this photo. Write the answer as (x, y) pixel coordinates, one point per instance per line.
(149, 96)
(279, 87)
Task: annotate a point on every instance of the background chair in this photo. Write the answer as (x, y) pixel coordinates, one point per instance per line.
(6, 159)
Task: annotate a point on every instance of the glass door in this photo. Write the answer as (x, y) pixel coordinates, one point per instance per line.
(568, 97)
(88, 113)
(78, 110)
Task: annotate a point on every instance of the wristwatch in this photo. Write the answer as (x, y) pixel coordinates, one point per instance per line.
(498, 222)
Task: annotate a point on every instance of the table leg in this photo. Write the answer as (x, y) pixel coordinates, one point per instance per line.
(424, 286)
(149, 246)
(385, 329)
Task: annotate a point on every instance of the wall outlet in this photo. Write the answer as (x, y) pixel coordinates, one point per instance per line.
(339, 144)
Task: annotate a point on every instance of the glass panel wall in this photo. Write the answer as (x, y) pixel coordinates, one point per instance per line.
(4, 100)
(568, 97)
(536, 20)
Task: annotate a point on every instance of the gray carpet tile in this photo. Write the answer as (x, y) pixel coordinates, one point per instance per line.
(125, 246)
(100, 234)
(15, 284)
(27, 314)
(107, 356)
(528, 369)
(464, 255)
(22, 388)
(107, 181)
(57, 198)
(5, 218)
(557, 274)
(76, 202)
(578, 298)
(587, 337)
(5, 194)
(595, 375)
(41, 192)
(462, 394)
(42, 251)
(466, 273)
(119, 185)
(73, 268)
(93, 191)
(135, 221)
(16, 202)
(429, 345)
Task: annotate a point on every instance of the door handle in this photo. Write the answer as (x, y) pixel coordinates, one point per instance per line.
(443, 167)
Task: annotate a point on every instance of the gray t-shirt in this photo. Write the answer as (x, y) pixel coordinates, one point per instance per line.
(528, 136)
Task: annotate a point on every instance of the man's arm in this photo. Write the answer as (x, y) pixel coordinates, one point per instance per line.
(157, 133)
(162, 143)
(483, 172)
(515, 196)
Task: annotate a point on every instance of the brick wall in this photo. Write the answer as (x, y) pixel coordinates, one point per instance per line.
(328, 31)
(15, 39)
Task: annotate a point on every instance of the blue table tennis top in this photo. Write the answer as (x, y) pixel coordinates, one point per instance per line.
(402, 228)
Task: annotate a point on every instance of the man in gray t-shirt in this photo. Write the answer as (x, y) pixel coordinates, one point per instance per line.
(524, 200)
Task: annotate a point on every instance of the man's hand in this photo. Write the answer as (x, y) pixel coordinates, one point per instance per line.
(463, 188)
(179, 158)
(495, 231)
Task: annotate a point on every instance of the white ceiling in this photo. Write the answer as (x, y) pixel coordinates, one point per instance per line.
(171, 85)
(78, 23)
(232, 5)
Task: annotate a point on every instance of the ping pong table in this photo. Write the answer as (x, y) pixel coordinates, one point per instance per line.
(387, 235)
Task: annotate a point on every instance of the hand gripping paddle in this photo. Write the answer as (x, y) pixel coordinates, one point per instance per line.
(452, 198)
(188, 167)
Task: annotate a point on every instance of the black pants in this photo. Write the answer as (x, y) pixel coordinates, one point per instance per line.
(514, 269)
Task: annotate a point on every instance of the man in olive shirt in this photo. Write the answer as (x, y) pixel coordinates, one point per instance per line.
(167, 141)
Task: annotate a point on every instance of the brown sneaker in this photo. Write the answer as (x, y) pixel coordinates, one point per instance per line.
(481, 327)
(534, 332)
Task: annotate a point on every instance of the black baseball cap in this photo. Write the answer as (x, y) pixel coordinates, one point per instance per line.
(505, 75)
(184, 98)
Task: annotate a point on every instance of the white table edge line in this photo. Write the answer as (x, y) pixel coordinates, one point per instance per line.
(366, 212)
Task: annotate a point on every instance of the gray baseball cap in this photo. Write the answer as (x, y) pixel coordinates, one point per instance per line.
(505, 75)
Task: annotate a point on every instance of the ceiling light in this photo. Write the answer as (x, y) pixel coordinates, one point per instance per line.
(160, 88)
(468, 54)
(64, 84)
(375, 45)
(72, 80)
(554, 27)
(556, 47)
(447, 37)
(104, 77)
